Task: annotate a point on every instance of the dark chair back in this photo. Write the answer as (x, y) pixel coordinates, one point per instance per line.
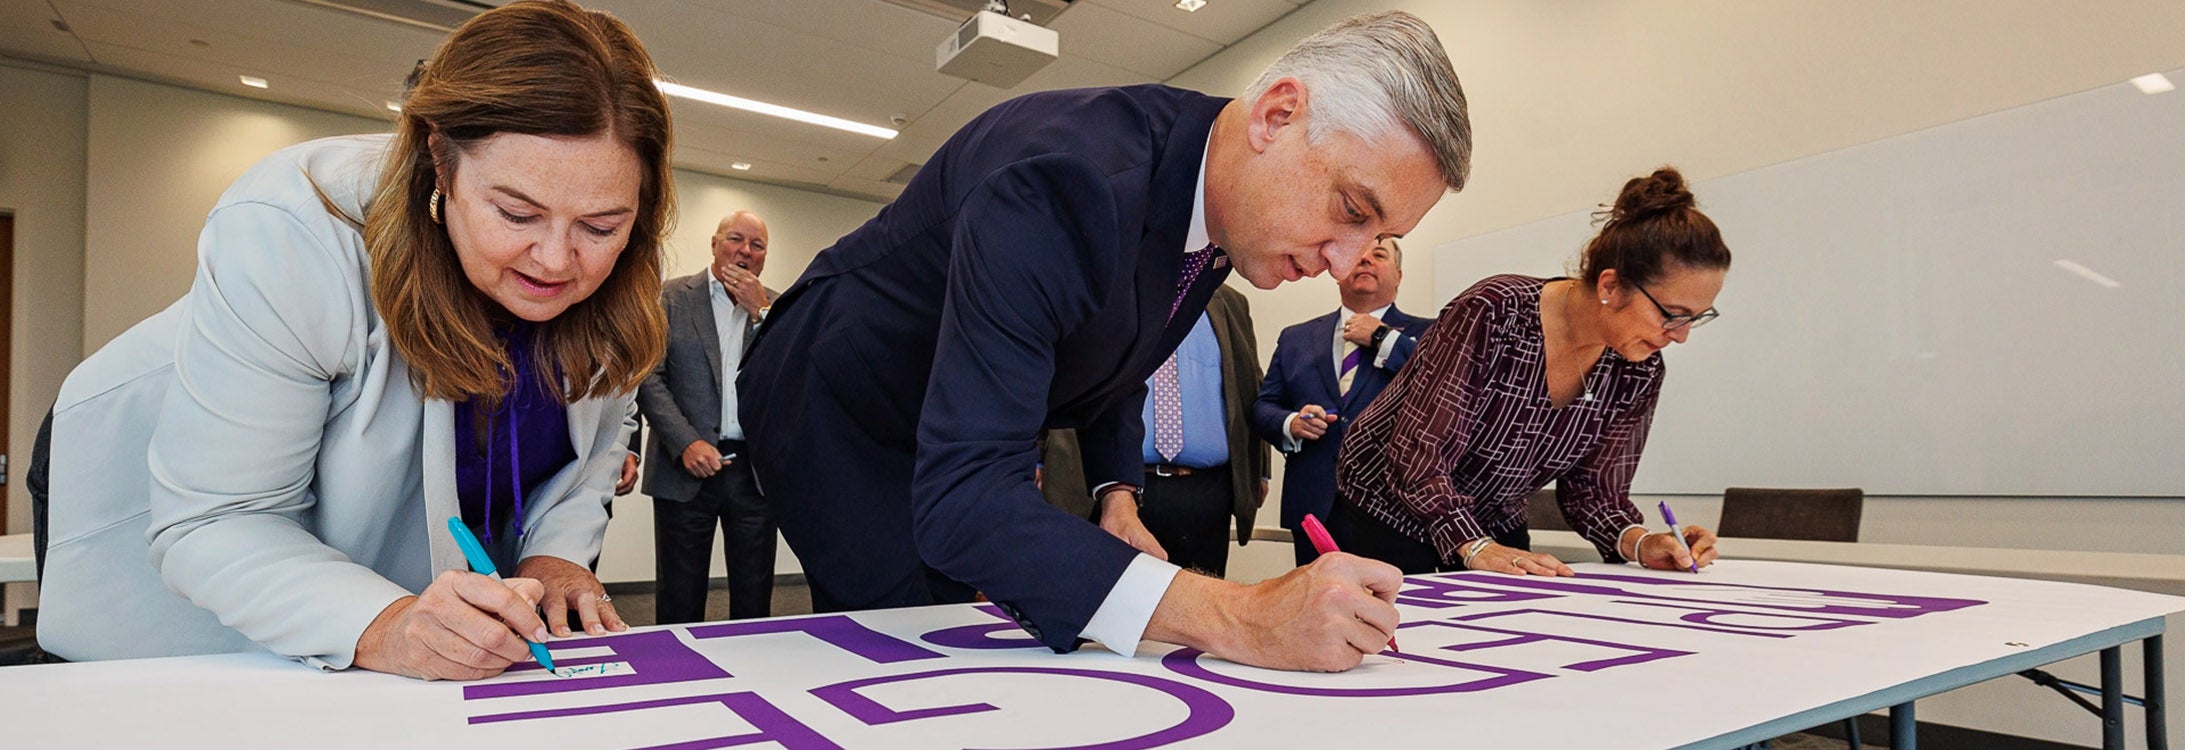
(1810, 515)
(1543, 513)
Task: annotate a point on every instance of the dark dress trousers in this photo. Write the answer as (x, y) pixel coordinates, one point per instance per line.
(1303, 372)
(1024, 279)
(682, 402)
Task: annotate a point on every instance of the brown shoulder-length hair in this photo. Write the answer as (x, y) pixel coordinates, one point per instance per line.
(535, 67)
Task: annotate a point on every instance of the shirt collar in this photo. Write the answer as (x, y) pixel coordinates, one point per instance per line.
(1379, 312)
(1196, 239)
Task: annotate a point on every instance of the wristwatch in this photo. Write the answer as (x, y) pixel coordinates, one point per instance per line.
(1379, 334)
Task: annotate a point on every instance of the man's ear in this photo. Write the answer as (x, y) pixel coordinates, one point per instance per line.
(1281, 106)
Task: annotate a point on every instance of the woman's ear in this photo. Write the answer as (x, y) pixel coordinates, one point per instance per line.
(1607, 285)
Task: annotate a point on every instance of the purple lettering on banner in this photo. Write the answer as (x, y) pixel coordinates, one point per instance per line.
(773, 724)
(1817, 601)
(1627, 620)
(982, 636)
(1186, 662)
(1207, 711)
(1639, 654)
(1437, 592)
(655, 658)
(839, 631)
(1743, 620)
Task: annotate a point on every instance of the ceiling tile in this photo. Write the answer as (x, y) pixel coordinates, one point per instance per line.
(26, 30)
(1107, 36)
(874, 26)
(1221, 21)
(265, 57)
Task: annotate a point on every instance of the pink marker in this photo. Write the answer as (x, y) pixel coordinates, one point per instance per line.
(1325, 544)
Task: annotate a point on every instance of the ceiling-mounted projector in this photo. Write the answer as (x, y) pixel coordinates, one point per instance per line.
(996, 50)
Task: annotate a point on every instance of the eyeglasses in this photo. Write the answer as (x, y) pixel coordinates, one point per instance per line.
(1672, 321)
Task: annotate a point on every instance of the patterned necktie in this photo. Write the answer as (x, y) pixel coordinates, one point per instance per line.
(1168, 401)
(1195, 262)
(1349, 371)
(1168, 411)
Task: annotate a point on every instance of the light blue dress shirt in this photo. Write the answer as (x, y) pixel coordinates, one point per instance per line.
(1198, 377)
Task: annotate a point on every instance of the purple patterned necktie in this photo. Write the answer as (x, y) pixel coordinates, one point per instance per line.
(1168, 401)
(1194, 262)
(1168, 411)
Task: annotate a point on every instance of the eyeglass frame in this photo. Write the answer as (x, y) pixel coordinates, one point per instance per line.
(1672, 321)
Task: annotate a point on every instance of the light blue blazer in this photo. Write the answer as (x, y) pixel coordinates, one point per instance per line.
(251, 469)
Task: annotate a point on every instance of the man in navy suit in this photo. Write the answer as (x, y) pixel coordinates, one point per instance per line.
(1324, 372)
(1033, 274)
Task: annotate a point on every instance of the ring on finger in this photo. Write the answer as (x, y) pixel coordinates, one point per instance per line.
(604, 598)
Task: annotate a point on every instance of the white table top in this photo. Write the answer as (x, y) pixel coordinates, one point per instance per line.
(2162, 574)
(1500, 661)
(16, 561)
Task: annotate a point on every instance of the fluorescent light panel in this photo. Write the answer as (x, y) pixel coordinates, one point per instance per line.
(740, 166)
(394, 107)
(252, 81)
(2087, 273)
(2154, 83)
(751, 105)
(1189, 6)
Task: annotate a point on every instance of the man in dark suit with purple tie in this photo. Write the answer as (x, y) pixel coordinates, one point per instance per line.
(1033, 274)
(1324, 372)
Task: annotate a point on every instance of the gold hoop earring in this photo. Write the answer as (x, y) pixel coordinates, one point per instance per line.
(432, 205)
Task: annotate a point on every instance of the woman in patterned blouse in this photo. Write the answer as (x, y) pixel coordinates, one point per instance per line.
(1525, 381)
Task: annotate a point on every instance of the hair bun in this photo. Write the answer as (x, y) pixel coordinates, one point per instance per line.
(1662, 191)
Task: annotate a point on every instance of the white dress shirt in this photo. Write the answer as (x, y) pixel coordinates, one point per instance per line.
(1120, 622)
(729, 320)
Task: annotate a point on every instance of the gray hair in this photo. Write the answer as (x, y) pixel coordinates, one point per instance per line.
(1370, 74)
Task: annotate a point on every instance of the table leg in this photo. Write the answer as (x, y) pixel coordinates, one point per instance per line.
(2113, 698)
(2158, 732)
(1903, 728)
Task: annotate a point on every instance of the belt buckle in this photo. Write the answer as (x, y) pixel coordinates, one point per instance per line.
(1163, 470)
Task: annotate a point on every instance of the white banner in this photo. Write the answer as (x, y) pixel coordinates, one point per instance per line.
(1616, 657)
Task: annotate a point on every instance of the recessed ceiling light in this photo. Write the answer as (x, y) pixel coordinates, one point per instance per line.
(253, 81)
(752, 105)
(1188, 6)
(2153, 83)
(740, 166)
(394, 106)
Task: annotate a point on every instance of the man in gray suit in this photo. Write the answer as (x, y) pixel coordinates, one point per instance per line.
(698, 472)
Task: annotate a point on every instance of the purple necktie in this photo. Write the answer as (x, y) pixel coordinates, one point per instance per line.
(1350, 369)
(1168, 411)
(1168, 401)
(1194, 262)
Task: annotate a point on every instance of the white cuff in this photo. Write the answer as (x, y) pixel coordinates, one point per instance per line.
(1388, 347)
(1290, 443)
(1120, 622)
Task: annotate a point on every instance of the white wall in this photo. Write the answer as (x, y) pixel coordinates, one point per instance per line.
(42, 184)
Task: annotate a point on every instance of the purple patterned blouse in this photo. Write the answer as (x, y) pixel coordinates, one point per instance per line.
(1466, 433)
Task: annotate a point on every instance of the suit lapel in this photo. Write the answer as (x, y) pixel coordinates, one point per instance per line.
(1323, 332)
(699, 301)
(1161, 250)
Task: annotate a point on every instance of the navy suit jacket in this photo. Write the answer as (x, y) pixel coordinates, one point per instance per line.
(1023, 280)
(1303, 372)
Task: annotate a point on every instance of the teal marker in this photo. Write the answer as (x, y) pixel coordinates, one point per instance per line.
(483, 565)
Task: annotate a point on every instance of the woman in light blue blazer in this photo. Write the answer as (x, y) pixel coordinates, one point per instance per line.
(384, 332)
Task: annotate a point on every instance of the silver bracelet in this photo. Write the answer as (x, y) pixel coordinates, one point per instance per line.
(1643, 534)
(1471, 550)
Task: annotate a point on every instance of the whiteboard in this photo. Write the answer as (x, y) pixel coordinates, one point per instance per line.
(1909, 316)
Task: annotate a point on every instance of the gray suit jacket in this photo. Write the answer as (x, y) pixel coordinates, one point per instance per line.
(251, 468)
(682, 398)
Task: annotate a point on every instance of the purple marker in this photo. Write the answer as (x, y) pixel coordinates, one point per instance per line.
(1678, 535)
